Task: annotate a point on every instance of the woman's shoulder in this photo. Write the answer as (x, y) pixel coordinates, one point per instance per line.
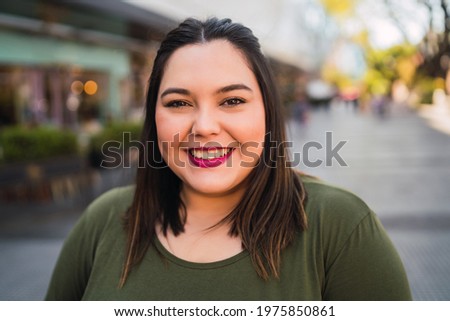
(333, 204)
(109, 204)
(351, 245)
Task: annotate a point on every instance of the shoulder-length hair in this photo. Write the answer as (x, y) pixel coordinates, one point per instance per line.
(272, 210)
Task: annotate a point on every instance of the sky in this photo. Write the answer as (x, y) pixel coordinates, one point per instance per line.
(375, 17)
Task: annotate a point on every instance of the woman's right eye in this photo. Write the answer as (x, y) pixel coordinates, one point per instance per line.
(176, 104)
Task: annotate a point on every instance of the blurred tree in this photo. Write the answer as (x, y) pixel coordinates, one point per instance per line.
(385, 66)
(332, 74)
(435, 46)
(339, 8)
(332, 70)
(420, 67)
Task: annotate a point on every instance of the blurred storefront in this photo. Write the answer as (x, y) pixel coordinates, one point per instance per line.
(74, 63)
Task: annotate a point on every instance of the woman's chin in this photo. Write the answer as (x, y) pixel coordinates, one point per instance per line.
(212, 188)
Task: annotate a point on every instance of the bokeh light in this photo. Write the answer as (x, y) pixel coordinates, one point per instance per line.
(76, 87)
(90, 87)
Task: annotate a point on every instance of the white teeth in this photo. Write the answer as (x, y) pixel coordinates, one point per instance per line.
(210, 154)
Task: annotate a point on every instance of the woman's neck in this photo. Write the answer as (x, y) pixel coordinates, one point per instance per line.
(208, 210)
(199, 241)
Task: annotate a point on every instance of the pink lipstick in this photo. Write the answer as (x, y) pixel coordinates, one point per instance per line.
(209, 157)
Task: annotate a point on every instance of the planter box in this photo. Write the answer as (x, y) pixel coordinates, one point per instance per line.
(46, 180)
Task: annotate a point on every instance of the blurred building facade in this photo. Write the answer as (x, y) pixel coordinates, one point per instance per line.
(79, 63)
(74, 63)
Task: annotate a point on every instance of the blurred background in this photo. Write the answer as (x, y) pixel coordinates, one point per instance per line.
(375, 74)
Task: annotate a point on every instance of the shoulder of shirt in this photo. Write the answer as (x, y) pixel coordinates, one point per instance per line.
(333, 204)
(110, 204)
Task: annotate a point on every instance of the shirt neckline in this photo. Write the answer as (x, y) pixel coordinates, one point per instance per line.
(196, 265)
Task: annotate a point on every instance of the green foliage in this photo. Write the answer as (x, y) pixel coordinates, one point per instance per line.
(28, 144)
(113, 133)
(339, 8)
(376, 83)
(386, 66)
(425, 87)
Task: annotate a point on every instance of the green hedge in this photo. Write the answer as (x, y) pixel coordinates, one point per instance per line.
(28, 144)
(113, 132)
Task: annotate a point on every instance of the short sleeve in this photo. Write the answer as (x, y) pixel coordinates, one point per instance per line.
(367, 267)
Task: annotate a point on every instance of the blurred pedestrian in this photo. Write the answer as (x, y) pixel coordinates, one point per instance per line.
(301, 107)
(380, 105)
(217, 213)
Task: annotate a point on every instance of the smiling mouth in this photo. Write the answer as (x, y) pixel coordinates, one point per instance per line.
(209, 153)
(209, 157)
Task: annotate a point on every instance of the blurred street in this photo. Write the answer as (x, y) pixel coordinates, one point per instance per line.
(31, 236)
(397, 164)
(400, 166)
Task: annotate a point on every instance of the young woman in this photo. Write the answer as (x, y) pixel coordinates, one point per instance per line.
(216, 212)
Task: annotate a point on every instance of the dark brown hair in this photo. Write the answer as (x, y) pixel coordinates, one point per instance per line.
(272, 210)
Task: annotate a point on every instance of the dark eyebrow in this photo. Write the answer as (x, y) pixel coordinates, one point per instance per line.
(174, 90)
(233, 87)
(182, 91)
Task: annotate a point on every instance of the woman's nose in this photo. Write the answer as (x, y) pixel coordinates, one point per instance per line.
(206, 123)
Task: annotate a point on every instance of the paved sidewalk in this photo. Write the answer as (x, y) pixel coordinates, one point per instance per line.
(437, 116)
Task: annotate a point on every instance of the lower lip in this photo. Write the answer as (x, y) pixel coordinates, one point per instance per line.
(208, 163)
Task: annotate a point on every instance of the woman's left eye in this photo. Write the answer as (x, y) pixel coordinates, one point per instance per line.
(233, 101)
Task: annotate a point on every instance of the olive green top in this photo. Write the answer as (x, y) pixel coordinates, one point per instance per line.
(345, 254)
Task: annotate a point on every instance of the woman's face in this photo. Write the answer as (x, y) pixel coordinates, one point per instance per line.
(210, 117)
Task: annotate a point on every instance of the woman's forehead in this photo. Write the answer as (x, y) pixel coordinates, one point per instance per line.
(216, 52)
(213, 61)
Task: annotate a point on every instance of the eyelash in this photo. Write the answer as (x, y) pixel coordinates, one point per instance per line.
(237, 101)
(176, 104)
(233, 101)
